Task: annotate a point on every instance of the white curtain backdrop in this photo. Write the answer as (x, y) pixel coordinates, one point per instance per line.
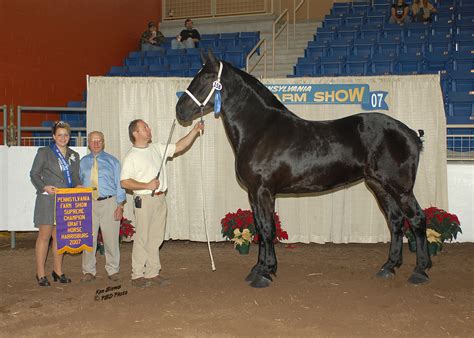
(347, 215)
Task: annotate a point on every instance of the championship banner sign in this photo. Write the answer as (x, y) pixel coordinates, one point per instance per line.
(359, 94)
(73, 215)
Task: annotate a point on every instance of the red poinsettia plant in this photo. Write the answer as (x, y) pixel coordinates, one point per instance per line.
(126, 228)
(234, 226)
(440, 226)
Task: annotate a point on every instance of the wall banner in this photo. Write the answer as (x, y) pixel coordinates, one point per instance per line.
(73, 216)
(358, 94)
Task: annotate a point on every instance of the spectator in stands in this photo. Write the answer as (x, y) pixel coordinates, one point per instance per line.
(102, 171)
(56, 166)
(152, 38)
(422, 11)
(399, 13)
(187, 38)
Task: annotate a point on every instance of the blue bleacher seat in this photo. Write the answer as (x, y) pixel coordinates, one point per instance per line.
(353, 19)
(316, 49)
(409, 63)
(305, 69)
(210, 36)
(155, 53)
(463, 61)
(462, 81)
(249, 38)
(364, 47)
(356, 65)
(388, 46)
(117, 71)
(413, 45)
(340, 48)
(230, 42)
(437, 61)
(332, 21)
(393, 31)
(177, 72)
(324, 34)
(137, 55)
(370, 31)
(137, 70)
(382, 64)
(76, 104)
(460, 104)
(382, 7)
(442, 28)
(440, 43)
(464, 43)
(360, 8)
(331, 65)
(133, 61)
(339, 8)
(418, 29)
(208, 43)
(148, 61)
(236, 58)
(347, 33)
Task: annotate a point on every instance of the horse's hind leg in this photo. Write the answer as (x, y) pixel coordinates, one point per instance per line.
(417, 219)
(394, 217)
(263, 206)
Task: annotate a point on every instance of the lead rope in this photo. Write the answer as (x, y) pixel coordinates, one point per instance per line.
(213, 266)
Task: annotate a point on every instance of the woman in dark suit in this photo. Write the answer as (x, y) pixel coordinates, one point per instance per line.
(56, 166)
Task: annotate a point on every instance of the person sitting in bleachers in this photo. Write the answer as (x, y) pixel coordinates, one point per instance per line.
(187, 38)
(422, 11)
(399, 13)
(152, 38)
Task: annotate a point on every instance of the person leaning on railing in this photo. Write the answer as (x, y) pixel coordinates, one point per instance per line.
(55, 166)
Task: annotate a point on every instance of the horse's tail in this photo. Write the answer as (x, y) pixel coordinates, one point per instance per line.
(420, 140)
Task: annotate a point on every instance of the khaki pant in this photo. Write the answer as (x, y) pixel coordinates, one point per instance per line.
(103, 218)
(150, 224)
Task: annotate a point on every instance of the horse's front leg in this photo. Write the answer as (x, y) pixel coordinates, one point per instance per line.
(263, 207)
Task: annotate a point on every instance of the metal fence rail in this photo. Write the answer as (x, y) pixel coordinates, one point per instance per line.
(75, 141)
(180, 9)
(460, 147)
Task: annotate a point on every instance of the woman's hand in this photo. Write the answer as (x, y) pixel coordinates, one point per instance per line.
(50, 189)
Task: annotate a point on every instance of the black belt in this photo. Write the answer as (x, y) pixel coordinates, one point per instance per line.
(104, 198)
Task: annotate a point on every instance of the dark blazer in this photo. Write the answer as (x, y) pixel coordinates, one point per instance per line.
(46, 171)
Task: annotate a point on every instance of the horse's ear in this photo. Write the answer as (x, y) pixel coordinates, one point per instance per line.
(203, 57)
(211, 56)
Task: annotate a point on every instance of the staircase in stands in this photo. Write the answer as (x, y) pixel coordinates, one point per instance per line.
(285, 58)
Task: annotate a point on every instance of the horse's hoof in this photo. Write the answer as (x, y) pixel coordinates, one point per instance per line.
(386, 273)
(261, 282)
(418, 278)
(250, 277)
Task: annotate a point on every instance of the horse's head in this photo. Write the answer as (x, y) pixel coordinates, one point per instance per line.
(201, 91)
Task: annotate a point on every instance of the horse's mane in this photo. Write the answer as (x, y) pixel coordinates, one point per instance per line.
(263, 93)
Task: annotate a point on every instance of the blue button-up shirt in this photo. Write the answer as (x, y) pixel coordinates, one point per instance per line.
(109, 175)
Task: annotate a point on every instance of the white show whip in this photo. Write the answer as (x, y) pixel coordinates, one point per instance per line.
(213, 266)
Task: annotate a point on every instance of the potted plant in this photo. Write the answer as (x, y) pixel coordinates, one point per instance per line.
(440, 226)
(239, 227)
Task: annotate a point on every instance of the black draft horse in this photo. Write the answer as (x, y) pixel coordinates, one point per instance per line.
(277, 152)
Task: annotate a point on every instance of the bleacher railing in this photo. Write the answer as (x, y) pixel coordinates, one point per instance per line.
(275, 34)
(460, 146)
(79, 140)
(181, 9)
(4, 125)
(263, 55)
(295, 10)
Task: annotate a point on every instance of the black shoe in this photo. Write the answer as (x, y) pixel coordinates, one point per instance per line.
(62, 278)
(43, 281)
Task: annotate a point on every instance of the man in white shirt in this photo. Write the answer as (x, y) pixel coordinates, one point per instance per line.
(139, 169)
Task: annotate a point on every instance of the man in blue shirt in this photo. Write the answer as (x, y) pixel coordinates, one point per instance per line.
(101, 170)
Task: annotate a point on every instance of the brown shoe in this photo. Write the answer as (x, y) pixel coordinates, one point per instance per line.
(158, 280)
(88, 277)
(141, 283)
(114, 277)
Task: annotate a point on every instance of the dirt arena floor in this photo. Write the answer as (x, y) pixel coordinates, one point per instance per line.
(321, 291)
